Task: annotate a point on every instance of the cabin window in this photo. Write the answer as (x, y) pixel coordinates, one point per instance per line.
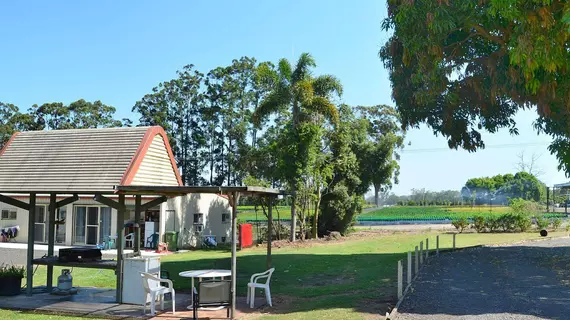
(198, 218)
(226, 217)
(9, 214)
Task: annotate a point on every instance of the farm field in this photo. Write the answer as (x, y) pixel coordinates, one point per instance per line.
(398, 213)
(436, 213)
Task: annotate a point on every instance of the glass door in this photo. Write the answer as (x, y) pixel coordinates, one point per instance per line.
(40, 224)
(104, 224)
(92, 231)
(60, 226)
(80, 223)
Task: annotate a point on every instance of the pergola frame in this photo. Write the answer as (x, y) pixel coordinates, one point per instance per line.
(163, 193)
(50, 261)
(233, 194)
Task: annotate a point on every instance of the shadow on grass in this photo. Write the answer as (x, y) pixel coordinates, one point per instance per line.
(520, 280)
(303, 282)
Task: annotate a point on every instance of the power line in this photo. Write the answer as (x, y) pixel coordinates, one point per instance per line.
(496, 146)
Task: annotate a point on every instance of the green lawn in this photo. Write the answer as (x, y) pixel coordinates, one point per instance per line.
(349, 279)
(9, 314)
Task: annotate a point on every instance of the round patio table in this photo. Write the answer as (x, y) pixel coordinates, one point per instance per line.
(208, 273)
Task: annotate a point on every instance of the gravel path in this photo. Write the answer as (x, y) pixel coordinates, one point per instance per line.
(524, 281)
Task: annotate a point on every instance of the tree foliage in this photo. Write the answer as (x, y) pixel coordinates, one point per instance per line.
(466, 66)
(500, 189)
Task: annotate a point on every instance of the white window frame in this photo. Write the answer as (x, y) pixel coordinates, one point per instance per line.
(9, 213)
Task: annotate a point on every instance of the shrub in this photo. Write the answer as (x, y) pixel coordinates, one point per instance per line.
(522, 222)
(506, 222)
(479, 223)
(460, 224)
(11, 271)
(492, 223)
(411, 203)
(556, 223)
(542, 223)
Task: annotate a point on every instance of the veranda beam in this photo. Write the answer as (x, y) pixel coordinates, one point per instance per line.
(66, 201)
(30, 257)
(234, 200)
(137, 244)
(111, 203)
(153, 203)
(269, 230)
(14, 202)
(51, 237)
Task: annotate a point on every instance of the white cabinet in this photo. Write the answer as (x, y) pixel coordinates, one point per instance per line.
(133, 290)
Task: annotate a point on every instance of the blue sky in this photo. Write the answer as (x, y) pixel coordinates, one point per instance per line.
(116, 51)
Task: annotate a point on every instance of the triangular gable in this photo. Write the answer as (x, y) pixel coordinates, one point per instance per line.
(153, 164)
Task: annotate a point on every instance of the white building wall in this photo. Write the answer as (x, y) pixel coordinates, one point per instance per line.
(182, 219)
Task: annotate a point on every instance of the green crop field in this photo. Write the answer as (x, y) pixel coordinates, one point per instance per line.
(436, 213)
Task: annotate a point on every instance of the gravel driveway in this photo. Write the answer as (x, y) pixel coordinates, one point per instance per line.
(524, 281)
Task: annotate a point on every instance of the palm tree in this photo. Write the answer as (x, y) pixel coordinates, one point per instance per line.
(308, 98)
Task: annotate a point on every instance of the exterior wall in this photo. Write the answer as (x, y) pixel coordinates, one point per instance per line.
(156, 168)
(177, 214)
(22, 217)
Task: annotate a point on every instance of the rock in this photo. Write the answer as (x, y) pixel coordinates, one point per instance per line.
(335, 235)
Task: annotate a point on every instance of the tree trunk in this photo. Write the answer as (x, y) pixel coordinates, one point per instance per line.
(293, 219)
(316, 217)
(376, 191)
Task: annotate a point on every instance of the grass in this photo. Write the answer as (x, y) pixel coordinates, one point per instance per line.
(9, 314)
(436, 213)
(350, 279)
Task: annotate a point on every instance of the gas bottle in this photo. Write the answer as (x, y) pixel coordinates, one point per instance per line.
(64, 281)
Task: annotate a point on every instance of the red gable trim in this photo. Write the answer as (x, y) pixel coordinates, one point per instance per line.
(8, 143)
(141, 152)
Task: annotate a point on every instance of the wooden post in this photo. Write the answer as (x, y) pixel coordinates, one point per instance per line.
(417, 261)
(400, 279)
(30, 257)
(120, 242)
(137, 240)
(234, 200)
(51, 238)
(269, 230)
(409, 267)
(293, 219)
(421, 252)
(454, 240)
(427, 248)
(437, 245)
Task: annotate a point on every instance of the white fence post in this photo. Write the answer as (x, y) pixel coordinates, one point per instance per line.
(417, 261)
(400, 279)
(409, 267)
(437, 245)
(427, 248)
(421, 252)
(454, 240)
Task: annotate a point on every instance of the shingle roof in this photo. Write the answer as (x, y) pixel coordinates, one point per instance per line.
(75, 160)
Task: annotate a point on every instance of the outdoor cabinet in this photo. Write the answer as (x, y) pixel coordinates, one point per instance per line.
(133, 290)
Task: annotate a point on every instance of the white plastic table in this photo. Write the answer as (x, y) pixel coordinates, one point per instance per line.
(209, 273)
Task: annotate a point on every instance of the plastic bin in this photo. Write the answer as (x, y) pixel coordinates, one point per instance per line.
(171, 237)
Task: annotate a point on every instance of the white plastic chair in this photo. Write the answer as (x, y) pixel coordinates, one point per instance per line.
(154, 289)
(253, 284)
(129, 238)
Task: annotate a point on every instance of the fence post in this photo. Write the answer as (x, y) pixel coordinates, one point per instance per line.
(409, 267)
(400, 279)
(427, 248)
(421, 252)
(437, 245)
(454, 240)
(417, 261)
